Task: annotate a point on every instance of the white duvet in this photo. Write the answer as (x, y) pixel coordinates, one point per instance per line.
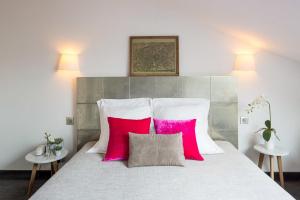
(230, 176)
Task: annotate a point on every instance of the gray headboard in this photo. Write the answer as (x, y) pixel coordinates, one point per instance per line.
(221, 90)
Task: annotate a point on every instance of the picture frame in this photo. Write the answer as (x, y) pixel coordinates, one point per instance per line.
(154, 56)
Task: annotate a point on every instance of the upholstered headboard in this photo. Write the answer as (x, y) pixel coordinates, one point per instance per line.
(221, 90)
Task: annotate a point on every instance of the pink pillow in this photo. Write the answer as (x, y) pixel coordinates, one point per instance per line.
(187, 127)
(118, 143)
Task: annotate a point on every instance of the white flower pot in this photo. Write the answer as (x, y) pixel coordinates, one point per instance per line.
(58, 153)
(270, 144)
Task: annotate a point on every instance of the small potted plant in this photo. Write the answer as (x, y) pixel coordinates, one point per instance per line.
(267, 131)
(54, 145)
(58, 146)
(58, 150)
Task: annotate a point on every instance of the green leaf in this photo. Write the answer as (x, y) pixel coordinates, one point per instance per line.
(268, 124)
(275, 133)
(261, 129)
(267, 135)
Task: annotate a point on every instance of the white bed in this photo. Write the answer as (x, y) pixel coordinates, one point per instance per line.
(222, 176)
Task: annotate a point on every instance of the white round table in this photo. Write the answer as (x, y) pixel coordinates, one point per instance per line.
(43, 159)
(276, 151)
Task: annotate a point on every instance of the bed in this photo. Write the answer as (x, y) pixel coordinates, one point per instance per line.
(230, 175)
(224, 176)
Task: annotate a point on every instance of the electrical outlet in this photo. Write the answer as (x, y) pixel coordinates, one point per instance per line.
(69, 121)
(244, 120)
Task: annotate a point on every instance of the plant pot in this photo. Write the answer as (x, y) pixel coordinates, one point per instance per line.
(58, 153)
(270, 144)
(60, 145)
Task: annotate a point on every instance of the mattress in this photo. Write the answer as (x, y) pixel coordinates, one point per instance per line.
(227, 176)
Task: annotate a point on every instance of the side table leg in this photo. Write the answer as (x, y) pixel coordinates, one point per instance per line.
(32, 178)
(279, 161)
(261, 160)
(54, 167)
(272, 167)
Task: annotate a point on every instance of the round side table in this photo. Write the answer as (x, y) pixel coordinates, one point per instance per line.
(276, 152)
(39, 160)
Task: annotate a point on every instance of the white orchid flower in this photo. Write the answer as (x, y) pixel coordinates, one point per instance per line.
(258, 102)
(51, 139)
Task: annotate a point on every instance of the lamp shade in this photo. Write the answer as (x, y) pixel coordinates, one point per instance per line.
(244, 62)
(68, 62)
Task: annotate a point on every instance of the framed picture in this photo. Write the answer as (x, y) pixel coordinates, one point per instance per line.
(154, 56)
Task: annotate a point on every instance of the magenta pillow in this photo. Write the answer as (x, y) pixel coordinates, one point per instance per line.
(118, 143)
(187, 127)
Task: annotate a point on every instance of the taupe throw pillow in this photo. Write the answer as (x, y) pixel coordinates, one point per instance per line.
(155, 150)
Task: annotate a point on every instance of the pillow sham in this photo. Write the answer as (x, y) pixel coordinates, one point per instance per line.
(121, 108)
(117, 148)
(158, 102)
(155, 150)
(183, 109)
(187, 128)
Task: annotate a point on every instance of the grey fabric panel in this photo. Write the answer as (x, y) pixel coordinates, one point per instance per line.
(230, 136)
(228, 176)
(154, 87)
(167, 87)
(89, 90)
(87, 117)
(155, 150)
(142, 87)
(116, 87)
(195, 87)
(84, 136)
(215, 135)
(224, 116)
(221, 90)
(223, 120)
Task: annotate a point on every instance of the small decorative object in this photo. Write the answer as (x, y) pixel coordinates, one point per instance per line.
(40, 150)
(58, 150)
(54, 145)
(154, 56)
(267, 131)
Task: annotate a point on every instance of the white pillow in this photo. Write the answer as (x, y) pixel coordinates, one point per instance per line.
(121, 108)
(183, 109)
(180, 102)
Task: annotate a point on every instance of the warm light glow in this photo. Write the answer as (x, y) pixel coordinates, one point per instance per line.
(68, 75)
(68, 62)
(245, 76)
(244, 62)
(249, 38)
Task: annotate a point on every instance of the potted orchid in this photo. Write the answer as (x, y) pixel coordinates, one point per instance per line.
(267, 131)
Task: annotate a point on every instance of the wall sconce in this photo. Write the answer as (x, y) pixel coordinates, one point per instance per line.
(68, 62)
(244, 62)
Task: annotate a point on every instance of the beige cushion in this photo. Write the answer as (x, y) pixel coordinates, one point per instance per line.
(155, 150)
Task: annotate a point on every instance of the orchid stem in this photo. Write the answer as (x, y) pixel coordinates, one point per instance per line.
(270, 111)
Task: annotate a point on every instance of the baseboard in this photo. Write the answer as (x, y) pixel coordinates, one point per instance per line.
(288, 176)
(45, 174)
(23, 174)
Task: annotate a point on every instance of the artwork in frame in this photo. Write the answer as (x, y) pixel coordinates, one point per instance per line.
(154, 56)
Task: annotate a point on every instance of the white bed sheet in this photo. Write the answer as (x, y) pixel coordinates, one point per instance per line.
(230, 176)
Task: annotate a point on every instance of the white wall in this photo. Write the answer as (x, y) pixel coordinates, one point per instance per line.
(35, 98)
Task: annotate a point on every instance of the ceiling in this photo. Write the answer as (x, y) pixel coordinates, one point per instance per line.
(273, 25)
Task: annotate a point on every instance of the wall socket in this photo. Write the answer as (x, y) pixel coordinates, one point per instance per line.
(69, 121)
(244, 120)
